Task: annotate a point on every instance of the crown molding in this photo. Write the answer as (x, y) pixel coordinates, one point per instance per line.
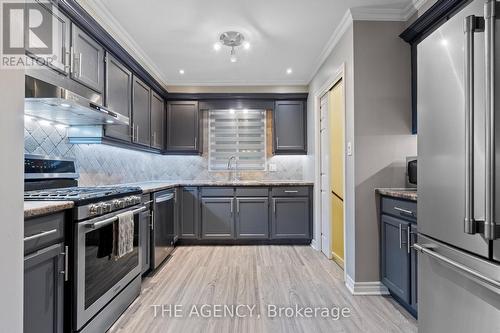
(239, 83)
(387, 13)
(334, 39)
(106, 19)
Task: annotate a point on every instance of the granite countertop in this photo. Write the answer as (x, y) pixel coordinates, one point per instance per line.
(401, 193)
(38, 208)
(153, 186)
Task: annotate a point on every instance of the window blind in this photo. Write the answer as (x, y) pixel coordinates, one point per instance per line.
(238, 133)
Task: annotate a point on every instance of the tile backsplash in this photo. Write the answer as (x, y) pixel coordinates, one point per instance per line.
(100, 164)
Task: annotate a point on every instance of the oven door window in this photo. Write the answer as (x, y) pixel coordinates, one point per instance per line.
(102, 270)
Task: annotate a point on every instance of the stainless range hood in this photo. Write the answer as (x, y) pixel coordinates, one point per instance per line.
(46, 101)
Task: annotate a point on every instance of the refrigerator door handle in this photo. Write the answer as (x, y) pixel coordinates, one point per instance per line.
(490, 9)
(426, 249)
(472, 24)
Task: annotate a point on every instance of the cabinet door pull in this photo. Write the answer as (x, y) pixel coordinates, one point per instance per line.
(400, 236)
(404, 211)
(40, 235)
(291, 191)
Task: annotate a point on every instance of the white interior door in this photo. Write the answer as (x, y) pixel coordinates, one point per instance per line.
(325, 181)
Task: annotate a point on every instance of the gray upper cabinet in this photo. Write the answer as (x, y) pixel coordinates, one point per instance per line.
(395, 259)
(289, 125)
(217, 218)
(189, 213)
(141, 111)
(252, 218)
(290, 218)
(60, 37)
(88, 60)
(157, 121)
(118, 96)
(44, 290)
(183, 127)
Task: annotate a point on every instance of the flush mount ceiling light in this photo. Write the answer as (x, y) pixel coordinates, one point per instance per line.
(232, 39)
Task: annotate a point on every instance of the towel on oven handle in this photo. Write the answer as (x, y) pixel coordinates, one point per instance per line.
(123, 235)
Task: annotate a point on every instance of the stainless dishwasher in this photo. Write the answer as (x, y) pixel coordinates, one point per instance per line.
(162, 231)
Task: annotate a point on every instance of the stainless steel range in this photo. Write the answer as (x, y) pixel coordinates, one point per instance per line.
(101, 286)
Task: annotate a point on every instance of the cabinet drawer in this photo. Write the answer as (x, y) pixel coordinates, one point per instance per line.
(290, 191)
(217, 191)
(43, 231)
(252, 191)
(400, 208)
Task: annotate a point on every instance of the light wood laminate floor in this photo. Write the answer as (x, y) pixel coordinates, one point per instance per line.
(260, 276)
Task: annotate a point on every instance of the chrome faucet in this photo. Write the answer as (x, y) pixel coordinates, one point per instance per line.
(234, 170)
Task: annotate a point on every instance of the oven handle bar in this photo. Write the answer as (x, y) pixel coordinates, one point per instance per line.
(99, 224)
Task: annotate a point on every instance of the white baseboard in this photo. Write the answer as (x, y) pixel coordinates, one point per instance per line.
(315, 245)
(366, 288)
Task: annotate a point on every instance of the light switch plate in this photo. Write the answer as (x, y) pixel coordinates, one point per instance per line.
(349, 149)
(272, 167)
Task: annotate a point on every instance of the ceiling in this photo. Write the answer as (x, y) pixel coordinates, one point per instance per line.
(171, 35)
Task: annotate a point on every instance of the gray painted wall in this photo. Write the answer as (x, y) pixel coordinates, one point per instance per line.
(341, 55)
(382, 129)
(11, 194)
(378, 124)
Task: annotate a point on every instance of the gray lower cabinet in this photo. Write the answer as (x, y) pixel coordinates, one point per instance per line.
(141, 112)
(398, 259)
(88, 60)
(183, 127)
(289, 127)
(413, 269)
(217, 218)
(118, 89)
(395, 258)
(44, 290)
(189, 217)
(290, 218)
(157, 121)
(252, 218)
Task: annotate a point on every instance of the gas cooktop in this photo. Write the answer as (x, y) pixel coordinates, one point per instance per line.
(81, 194)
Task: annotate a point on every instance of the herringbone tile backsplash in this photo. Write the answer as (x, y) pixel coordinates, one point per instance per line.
(100, 164)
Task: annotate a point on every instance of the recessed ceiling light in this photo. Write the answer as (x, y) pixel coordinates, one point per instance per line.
(246, 45)
(181, 72)
(217, 46)
(289, 71)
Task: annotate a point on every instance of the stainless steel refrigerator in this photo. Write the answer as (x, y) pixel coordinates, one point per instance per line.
(459, 173)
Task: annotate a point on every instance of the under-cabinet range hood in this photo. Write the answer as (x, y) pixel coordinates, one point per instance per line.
(49, 102)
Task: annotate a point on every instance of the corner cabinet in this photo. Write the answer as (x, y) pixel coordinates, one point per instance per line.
(183, 128)
(141, 112)
(289, 127)
(118, 92)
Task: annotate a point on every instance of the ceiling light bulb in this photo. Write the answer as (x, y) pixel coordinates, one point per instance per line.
(289, 71)
(246, 45)
(217, 46)
(181, 71)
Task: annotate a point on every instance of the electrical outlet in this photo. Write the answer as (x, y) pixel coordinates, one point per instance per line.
(272, 167)
(349, 149)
